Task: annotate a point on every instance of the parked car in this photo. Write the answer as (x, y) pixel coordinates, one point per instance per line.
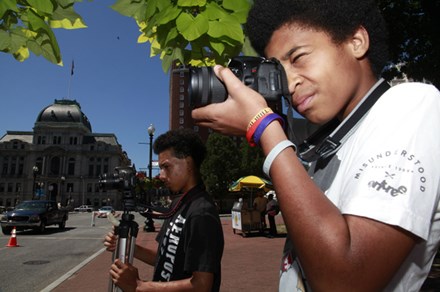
(84, 208)
(104, 211)
(34, 215)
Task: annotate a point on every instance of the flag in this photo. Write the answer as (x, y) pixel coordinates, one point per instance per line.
(71, 68)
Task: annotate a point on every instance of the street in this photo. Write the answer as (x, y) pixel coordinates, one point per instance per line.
(41, 259)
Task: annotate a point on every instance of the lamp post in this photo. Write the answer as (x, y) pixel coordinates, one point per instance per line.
(50, 192)
(63, 180)
(149, 224)
(34, 171)
(151, 130)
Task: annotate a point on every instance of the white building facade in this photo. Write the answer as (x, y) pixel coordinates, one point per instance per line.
(61, 159)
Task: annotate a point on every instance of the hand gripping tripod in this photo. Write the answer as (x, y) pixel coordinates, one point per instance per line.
(127, 230)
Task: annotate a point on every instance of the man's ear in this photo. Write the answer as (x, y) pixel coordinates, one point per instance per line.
(360, 42)
(189, 163)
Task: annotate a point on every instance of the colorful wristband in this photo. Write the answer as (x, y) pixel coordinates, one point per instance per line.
(274, 153)
(259, 115)
(250, 132)
(263, 125)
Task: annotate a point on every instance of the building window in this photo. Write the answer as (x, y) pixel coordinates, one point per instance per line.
(41, 140)
(69, 188)
(5, 165)
(71, 166)
(56, 140)
(181, 105)
(55, 165)
(73, 140)
(39, 164)
(89, 187)
(2, 187)
(21, 165)
(13, 165)
(181, 89)
(181, 121)
(181, 113)
(181, 97)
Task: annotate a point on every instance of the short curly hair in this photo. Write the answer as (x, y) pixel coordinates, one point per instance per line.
(184, 143)
(338, 18)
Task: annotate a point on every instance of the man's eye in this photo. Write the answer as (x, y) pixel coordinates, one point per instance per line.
(296, 58)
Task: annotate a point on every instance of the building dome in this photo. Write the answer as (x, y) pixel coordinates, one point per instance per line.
(64, 111)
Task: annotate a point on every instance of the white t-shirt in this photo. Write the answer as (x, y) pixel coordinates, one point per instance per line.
(389, 171)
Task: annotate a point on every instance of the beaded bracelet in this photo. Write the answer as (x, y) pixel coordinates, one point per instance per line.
(274, 153)
(263, 125)
(259, 115)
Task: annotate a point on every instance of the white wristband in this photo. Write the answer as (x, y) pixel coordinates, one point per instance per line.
(274, 153)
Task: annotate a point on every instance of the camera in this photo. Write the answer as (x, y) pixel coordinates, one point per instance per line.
(123, 180)
(266, 76)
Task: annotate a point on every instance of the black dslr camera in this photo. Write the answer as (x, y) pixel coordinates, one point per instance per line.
(266, 76)
(123, 180)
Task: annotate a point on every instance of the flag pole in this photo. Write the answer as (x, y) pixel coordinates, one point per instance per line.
(70, 79)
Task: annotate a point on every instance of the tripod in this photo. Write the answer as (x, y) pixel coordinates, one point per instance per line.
(127, 230)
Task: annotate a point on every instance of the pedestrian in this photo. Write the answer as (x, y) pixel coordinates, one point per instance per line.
(362, 216)
(259, 205)
(190, 242)
(272, 209)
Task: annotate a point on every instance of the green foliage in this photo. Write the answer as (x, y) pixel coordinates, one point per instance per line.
(222, 164)
(194, 32)
(252, 159)
(26, 25)
(414, 27)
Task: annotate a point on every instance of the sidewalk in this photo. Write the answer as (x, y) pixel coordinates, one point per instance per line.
(249, 263)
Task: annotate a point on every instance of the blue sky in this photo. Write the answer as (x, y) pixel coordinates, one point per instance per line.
(120, 88)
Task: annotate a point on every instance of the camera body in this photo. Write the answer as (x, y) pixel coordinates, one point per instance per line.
(122, 180)
(266, 76)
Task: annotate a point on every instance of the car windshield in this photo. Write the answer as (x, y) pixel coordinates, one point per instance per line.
(31, 205)
(106, 208)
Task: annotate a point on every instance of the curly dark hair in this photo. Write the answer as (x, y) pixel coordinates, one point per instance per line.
(184, 142)
(338, 18)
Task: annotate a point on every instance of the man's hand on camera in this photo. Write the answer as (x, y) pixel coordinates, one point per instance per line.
(233, 115)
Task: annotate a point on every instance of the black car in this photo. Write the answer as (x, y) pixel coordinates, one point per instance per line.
(34, 215)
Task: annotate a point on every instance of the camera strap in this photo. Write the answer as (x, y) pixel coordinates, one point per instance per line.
(165, 213)
(321, 144)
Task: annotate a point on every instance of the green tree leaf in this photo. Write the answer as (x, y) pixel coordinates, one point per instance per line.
(44, 6)
(226, 27)
(192, 27)
(66, 18)
(7, 5)
(191, 3)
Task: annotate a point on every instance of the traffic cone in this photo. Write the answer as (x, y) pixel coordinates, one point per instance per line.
(13, 240)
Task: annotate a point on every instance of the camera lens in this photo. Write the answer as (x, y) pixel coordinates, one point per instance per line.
(204, 87)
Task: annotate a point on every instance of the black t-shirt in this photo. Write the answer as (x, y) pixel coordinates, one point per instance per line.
(191, 240)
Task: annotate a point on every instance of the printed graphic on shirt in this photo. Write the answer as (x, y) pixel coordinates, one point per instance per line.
(290, 275)
(391, 165)
(168, 247)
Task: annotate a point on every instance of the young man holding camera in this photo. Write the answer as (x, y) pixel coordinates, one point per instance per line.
(191, 238)
(365, 216)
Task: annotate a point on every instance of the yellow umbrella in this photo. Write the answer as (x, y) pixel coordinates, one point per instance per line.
(251, 182)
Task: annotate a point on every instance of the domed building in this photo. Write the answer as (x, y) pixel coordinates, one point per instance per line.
(61, 159)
